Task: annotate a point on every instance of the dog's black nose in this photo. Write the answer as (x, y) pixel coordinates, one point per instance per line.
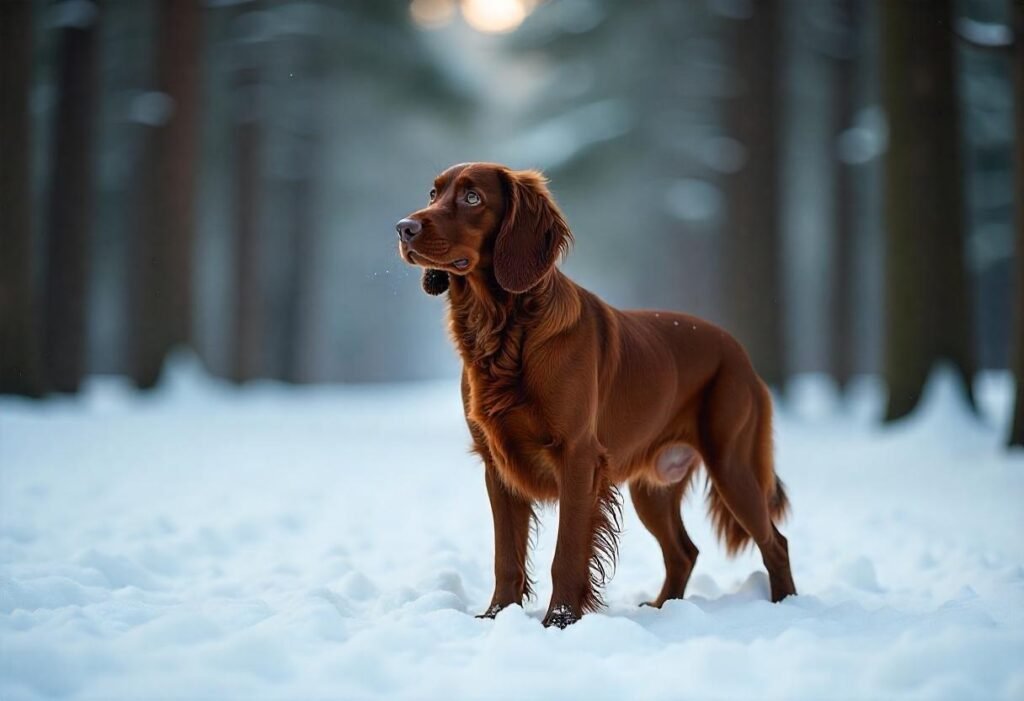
(408, 228)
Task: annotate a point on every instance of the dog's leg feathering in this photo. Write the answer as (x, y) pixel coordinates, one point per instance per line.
(589, 522)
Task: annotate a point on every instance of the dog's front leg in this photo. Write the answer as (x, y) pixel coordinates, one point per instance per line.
(512, 516)
(588, 526)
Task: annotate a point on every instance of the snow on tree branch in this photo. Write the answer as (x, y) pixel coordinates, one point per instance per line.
(984, 35)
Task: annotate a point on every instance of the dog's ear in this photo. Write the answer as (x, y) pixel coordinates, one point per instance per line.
(532, 234)
(435, 282)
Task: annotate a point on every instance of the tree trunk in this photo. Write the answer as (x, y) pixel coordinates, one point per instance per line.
(753, 303)
(299, 288)
(247, 355)
(1017, 429)
(163, 264)
(843, 108)
(302, 192)
(19, 366)
(927, 294)
(71, 202)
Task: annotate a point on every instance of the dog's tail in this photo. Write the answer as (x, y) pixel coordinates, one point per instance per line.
(727, 528)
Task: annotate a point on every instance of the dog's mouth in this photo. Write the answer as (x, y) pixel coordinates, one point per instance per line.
(417, 258)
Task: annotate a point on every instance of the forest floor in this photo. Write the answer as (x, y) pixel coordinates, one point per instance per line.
(270, 542)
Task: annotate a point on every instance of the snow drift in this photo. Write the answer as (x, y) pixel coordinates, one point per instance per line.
(268, 542)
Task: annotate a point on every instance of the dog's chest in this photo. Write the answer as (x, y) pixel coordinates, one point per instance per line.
(519, 441)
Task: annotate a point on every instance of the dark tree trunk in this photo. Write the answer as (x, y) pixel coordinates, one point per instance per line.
(299, 288)
(19, 366)
(843, 108)
(927, 294)
(753, 303)
(302, 192)
(1017, 429)
(162, 270)
(247, 354)
(71, 202)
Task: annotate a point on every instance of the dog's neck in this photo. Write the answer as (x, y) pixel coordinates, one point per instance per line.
(489, 324)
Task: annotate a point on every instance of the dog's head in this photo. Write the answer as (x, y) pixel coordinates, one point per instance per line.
(485, 219)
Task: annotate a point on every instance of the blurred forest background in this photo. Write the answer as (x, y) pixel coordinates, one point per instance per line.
(838, 182)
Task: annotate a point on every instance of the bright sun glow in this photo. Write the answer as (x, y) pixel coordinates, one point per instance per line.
(432, 13)
(495, 16)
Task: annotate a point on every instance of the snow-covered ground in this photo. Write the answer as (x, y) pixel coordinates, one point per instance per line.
(209, 542)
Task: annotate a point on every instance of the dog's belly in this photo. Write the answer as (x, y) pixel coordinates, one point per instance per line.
(672, 461)
(526, 452)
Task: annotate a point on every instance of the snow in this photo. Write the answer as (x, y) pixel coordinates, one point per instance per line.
(72, 14)
(152, 108)
(867, 139)
(266, 542)
(985, 34)
(560, 139)
(693, 199)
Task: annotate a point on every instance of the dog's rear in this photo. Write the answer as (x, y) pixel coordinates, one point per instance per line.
(746, 498)
(712, 408)
(730, 532)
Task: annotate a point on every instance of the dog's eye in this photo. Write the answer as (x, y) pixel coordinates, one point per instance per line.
(433, 194)
(472, 198)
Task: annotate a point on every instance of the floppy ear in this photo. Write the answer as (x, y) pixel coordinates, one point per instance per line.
(435, 282)
(532, 234)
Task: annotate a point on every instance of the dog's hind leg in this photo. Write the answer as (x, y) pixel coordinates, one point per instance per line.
(659, 511)
(745, 494)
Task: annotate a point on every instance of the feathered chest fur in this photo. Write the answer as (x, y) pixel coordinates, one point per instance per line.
(493, 333)
(489, 332)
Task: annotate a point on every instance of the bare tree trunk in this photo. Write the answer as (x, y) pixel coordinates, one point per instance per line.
(163, 265)
(247, 355)
(842, 301)
(303, 190)
(1017, 361)
(71, 205)
(299, 288)
(753, 303)
(19, 366)
(928, 302)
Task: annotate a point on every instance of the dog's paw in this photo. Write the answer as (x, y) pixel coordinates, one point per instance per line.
(492, 611)
(560, 616)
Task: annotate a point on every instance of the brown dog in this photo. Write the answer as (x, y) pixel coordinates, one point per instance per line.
(566, 396)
